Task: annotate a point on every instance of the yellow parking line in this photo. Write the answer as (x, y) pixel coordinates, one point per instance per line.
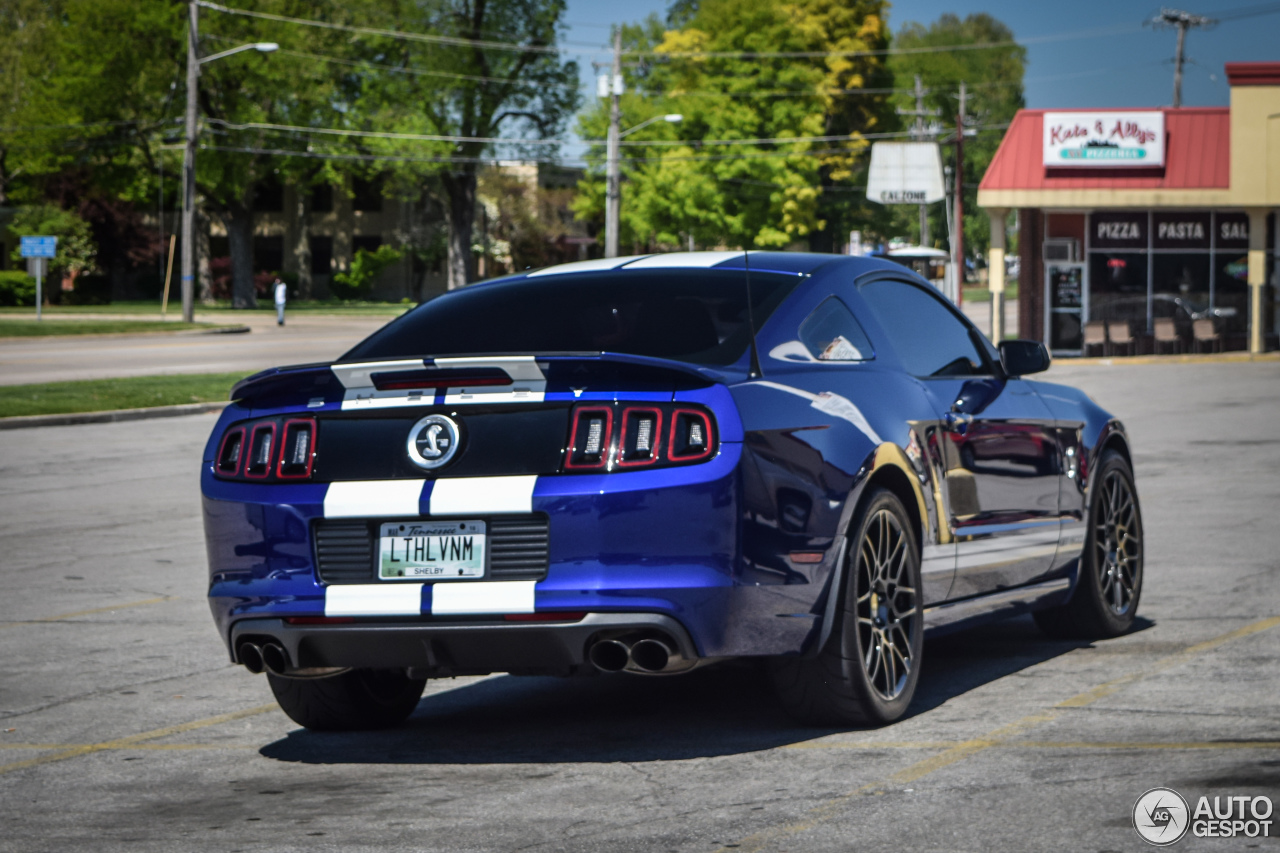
(872, 746)
(998, 737)
(79, 613)
(132, 740)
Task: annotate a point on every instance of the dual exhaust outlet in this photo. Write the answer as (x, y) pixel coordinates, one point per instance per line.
(268, 657)
(648, 655)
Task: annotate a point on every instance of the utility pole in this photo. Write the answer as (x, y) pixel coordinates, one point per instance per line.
(1183, 21)
(189, 169)
(957, 244)
(613, 196)
(920, 133)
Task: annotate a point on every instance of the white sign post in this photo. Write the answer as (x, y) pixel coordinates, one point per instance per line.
(37, 251)
(905, 173)
(1104, 140)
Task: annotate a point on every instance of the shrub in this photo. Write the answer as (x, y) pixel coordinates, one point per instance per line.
(365, 267)
(17, 288)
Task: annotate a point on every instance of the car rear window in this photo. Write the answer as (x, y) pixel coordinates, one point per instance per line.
(697, 316)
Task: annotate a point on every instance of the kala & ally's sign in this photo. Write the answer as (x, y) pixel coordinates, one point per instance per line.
(1104, 139)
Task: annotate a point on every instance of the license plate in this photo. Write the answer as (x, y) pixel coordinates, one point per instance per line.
(431, 550)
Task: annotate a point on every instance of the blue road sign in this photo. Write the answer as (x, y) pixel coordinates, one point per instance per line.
(39, 247)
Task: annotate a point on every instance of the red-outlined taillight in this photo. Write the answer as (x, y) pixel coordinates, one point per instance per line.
(589, 439)
(692, 437)
(641, 448)
(257, 465)
(230, 452)
(297, 449)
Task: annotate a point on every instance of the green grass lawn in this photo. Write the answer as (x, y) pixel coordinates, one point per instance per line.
(98, 395)
(10, 328)
(223, 311)
(981, 294)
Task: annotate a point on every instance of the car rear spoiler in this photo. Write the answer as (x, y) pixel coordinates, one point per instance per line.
(304, 383)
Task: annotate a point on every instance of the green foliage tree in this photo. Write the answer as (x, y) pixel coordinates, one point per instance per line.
(76, 249)
(994, 80)
(738, 70)
(499, 74)
(366, 266)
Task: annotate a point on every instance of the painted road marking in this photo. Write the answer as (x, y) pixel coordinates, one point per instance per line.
(80, 613)
(132, 740)
(997, 738)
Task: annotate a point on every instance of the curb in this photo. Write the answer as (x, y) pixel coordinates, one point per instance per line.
(72, 418)
(1206, 358)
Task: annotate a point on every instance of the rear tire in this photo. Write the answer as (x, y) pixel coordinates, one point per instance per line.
(1105, 599)
(867, 671)
(350, 701)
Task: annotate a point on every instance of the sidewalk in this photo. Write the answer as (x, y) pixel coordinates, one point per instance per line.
(980, 314)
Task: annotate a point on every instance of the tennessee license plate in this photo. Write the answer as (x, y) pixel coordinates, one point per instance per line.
(431, 550)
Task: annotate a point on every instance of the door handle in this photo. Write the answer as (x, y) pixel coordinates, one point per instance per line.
(957, 422)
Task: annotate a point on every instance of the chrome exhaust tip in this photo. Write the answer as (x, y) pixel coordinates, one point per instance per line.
(275, 658)
(610, 655)
(650, 655)
(251, 656)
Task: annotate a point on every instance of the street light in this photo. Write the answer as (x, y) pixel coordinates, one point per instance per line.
(613, 177)
(189, 158)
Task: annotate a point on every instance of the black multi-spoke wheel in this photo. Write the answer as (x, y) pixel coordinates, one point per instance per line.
(1105, 599)
(867, 671)
(886, 605)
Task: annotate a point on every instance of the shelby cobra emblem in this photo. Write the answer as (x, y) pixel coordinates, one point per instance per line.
(433, 441)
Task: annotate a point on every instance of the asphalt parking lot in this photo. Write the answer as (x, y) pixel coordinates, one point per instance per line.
(123, 726)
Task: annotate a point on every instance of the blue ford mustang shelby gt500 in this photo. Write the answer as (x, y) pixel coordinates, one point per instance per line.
(649, 463)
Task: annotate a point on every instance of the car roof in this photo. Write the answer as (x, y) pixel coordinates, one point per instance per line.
(797, 263)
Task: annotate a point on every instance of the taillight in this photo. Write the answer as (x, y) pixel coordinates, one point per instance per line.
(267, 449)
(589, 438)
(647, 435)
(262, 445)
(295, 449)
(230, 452)
(691, 436)
(641, 434)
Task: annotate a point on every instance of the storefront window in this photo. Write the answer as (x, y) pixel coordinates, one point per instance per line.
(1231, 295)
(1118, 287)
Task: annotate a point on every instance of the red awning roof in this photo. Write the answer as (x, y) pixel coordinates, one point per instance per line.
(1198, 157)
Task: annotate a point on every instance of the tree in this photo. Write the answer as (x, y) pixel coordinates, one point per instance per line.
(499, 75)
(76, 251)
(994, 80)
(738, 70)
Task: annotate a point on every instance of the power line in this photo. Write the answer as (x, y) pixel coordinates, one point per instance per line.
(375, 31)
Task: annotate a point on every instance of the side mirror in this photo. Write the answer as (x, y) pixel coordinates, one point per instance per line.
(1022, 357)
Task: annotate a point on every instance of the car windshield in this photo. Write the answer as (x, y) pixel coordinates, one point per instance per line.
(697, 316)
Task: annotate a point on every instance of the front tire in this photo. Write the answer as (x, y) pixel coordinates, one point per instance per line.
(868, 669)
(1105, 599)
(350, 701)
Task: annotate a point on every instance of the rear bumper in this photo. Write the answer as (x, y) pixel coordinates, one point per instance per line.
(439, 649)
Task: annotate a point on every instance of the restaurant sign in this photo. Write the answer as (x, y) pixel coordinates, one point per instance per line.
(1104, 139)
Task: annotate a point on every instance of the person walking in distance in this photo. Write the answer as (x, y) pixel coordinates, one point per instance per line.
(281, 292)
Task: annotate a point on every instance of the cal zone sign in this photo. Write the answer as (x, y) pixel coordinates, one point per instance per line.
(905, 173)
(1104, 140)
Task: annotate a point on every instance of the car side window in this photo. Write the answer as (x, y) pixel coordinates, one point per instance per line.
(929, 338)
(831, 333)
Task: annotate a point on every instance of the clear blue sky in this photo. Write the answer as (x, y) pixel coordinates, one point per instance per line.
(1127, 66)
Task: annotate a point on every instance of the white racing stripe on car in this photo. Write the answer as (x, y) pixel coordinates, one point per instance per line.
(361, 375)
(528, 382)
(483, 495)
(461, 597)
(673, 260)
(385, 599)
(597, 265)
(363, 498)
